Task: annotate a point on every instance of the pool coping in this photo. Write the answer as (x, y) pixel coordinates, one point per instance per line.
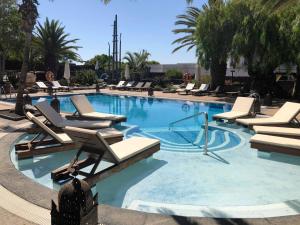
(26, 188)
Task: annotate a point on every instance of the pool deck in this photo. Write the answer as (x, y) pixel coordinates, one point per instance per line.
(19, 203)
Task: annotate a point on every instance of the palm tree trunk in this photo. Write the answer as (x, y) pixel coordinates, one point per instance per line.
(22, 81)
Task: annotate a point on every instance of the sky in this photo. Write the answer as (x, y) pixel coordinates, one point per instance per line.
(144, 24)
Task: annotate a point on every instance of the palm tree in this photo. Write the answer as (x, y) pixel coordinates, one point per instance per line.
(137, 61)
(52, 43)
(276, 5)
(29, 13)
(189, 21)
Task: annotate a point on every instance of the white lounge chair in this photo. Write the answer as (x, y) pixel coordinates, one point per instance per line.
(269, 143)
(278, 131)
(58, 121)
(85, 110)
(41, 85)
(48, 141)
(57, 85)
(120, 84)
(202, 89)
(189, 87)
(121, 154)
(129, 85)
(285, 115)
(241, 108)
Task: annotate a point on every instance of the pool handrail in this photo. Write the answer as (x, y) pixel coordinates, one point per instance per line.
(206, 127)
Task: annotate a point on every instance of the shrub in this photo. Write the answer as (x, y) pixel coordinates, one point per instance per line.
(174, 74)
(85, 77)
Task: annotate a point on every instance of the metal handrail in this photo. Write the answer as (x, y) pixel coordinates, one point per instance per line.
(206, 127)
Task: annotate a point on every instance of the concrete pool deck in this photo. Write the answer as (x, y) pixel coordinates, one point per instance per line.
(38, 205)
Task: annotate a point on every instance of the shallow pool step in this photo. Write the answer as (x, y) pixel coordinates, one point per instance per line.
(214, 143)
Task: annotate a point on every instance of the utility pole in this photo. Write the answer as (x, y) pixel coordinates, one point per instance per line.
(109, 58)
(120, 54)
(115, 50)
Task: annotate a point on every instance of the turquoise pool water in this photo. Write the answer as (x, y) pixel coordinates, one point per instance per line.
(179, 179)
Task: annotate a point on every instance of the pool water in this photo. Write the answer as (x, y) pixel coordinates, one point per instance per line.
(180, 179)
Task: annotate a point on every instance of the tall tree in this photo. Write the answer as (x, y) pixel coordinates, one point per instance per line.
(10, 34)
(258, 40)
(53, 44)
(137, 62)
(214, 35)
(29, 14)
(189, 23)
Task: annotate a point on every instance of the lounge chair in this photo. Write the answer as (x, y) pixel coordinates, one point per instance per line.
(189, 87)
(121, 154)
(41, 143)
(58, 121)
(278, 131)
(269, 143)
(86, 111)
(146, 86)
(113, 86)
(241, 108)
(217, 91)
(42, 86)
(121, 85)
(129, 85)
(202, 89)
(47, 141)
(138, 86)
(284, 116)
(57, 85)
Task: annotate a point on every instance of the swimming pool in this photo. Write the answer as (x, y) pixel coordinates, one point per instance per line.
(234, 180)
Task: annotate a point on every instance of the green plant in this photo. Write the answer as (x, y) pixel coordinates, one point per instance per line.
(205, 79)
(85, 77)
(52, 44)
(174, 74)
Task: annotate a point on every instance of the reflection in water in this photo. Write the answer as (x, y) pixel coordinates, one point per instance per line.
(145, 112)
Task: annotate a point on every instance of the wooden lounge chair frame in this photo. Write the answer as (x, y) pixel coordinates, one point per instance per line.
(94, 159)
(272, 148)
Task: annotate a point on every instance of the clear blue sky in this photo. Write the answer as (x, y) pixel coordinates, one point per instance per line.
(144, 24)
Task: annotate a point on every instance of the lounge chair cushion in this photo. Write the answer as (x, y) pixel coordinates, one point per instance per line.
(283, 116)
(57, 120)
(243, 104)
(131, 147)
(87, 124)
(276, 141)
(60, 137)
(283, 131)
(85, 109)
(231, 115)
(105, 133)
(242, 107)
(106, 116)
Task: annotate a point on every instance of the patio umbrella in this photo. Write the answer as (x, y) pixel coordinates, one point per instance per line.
(127, 75)
(67, 73)
(97, 66)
